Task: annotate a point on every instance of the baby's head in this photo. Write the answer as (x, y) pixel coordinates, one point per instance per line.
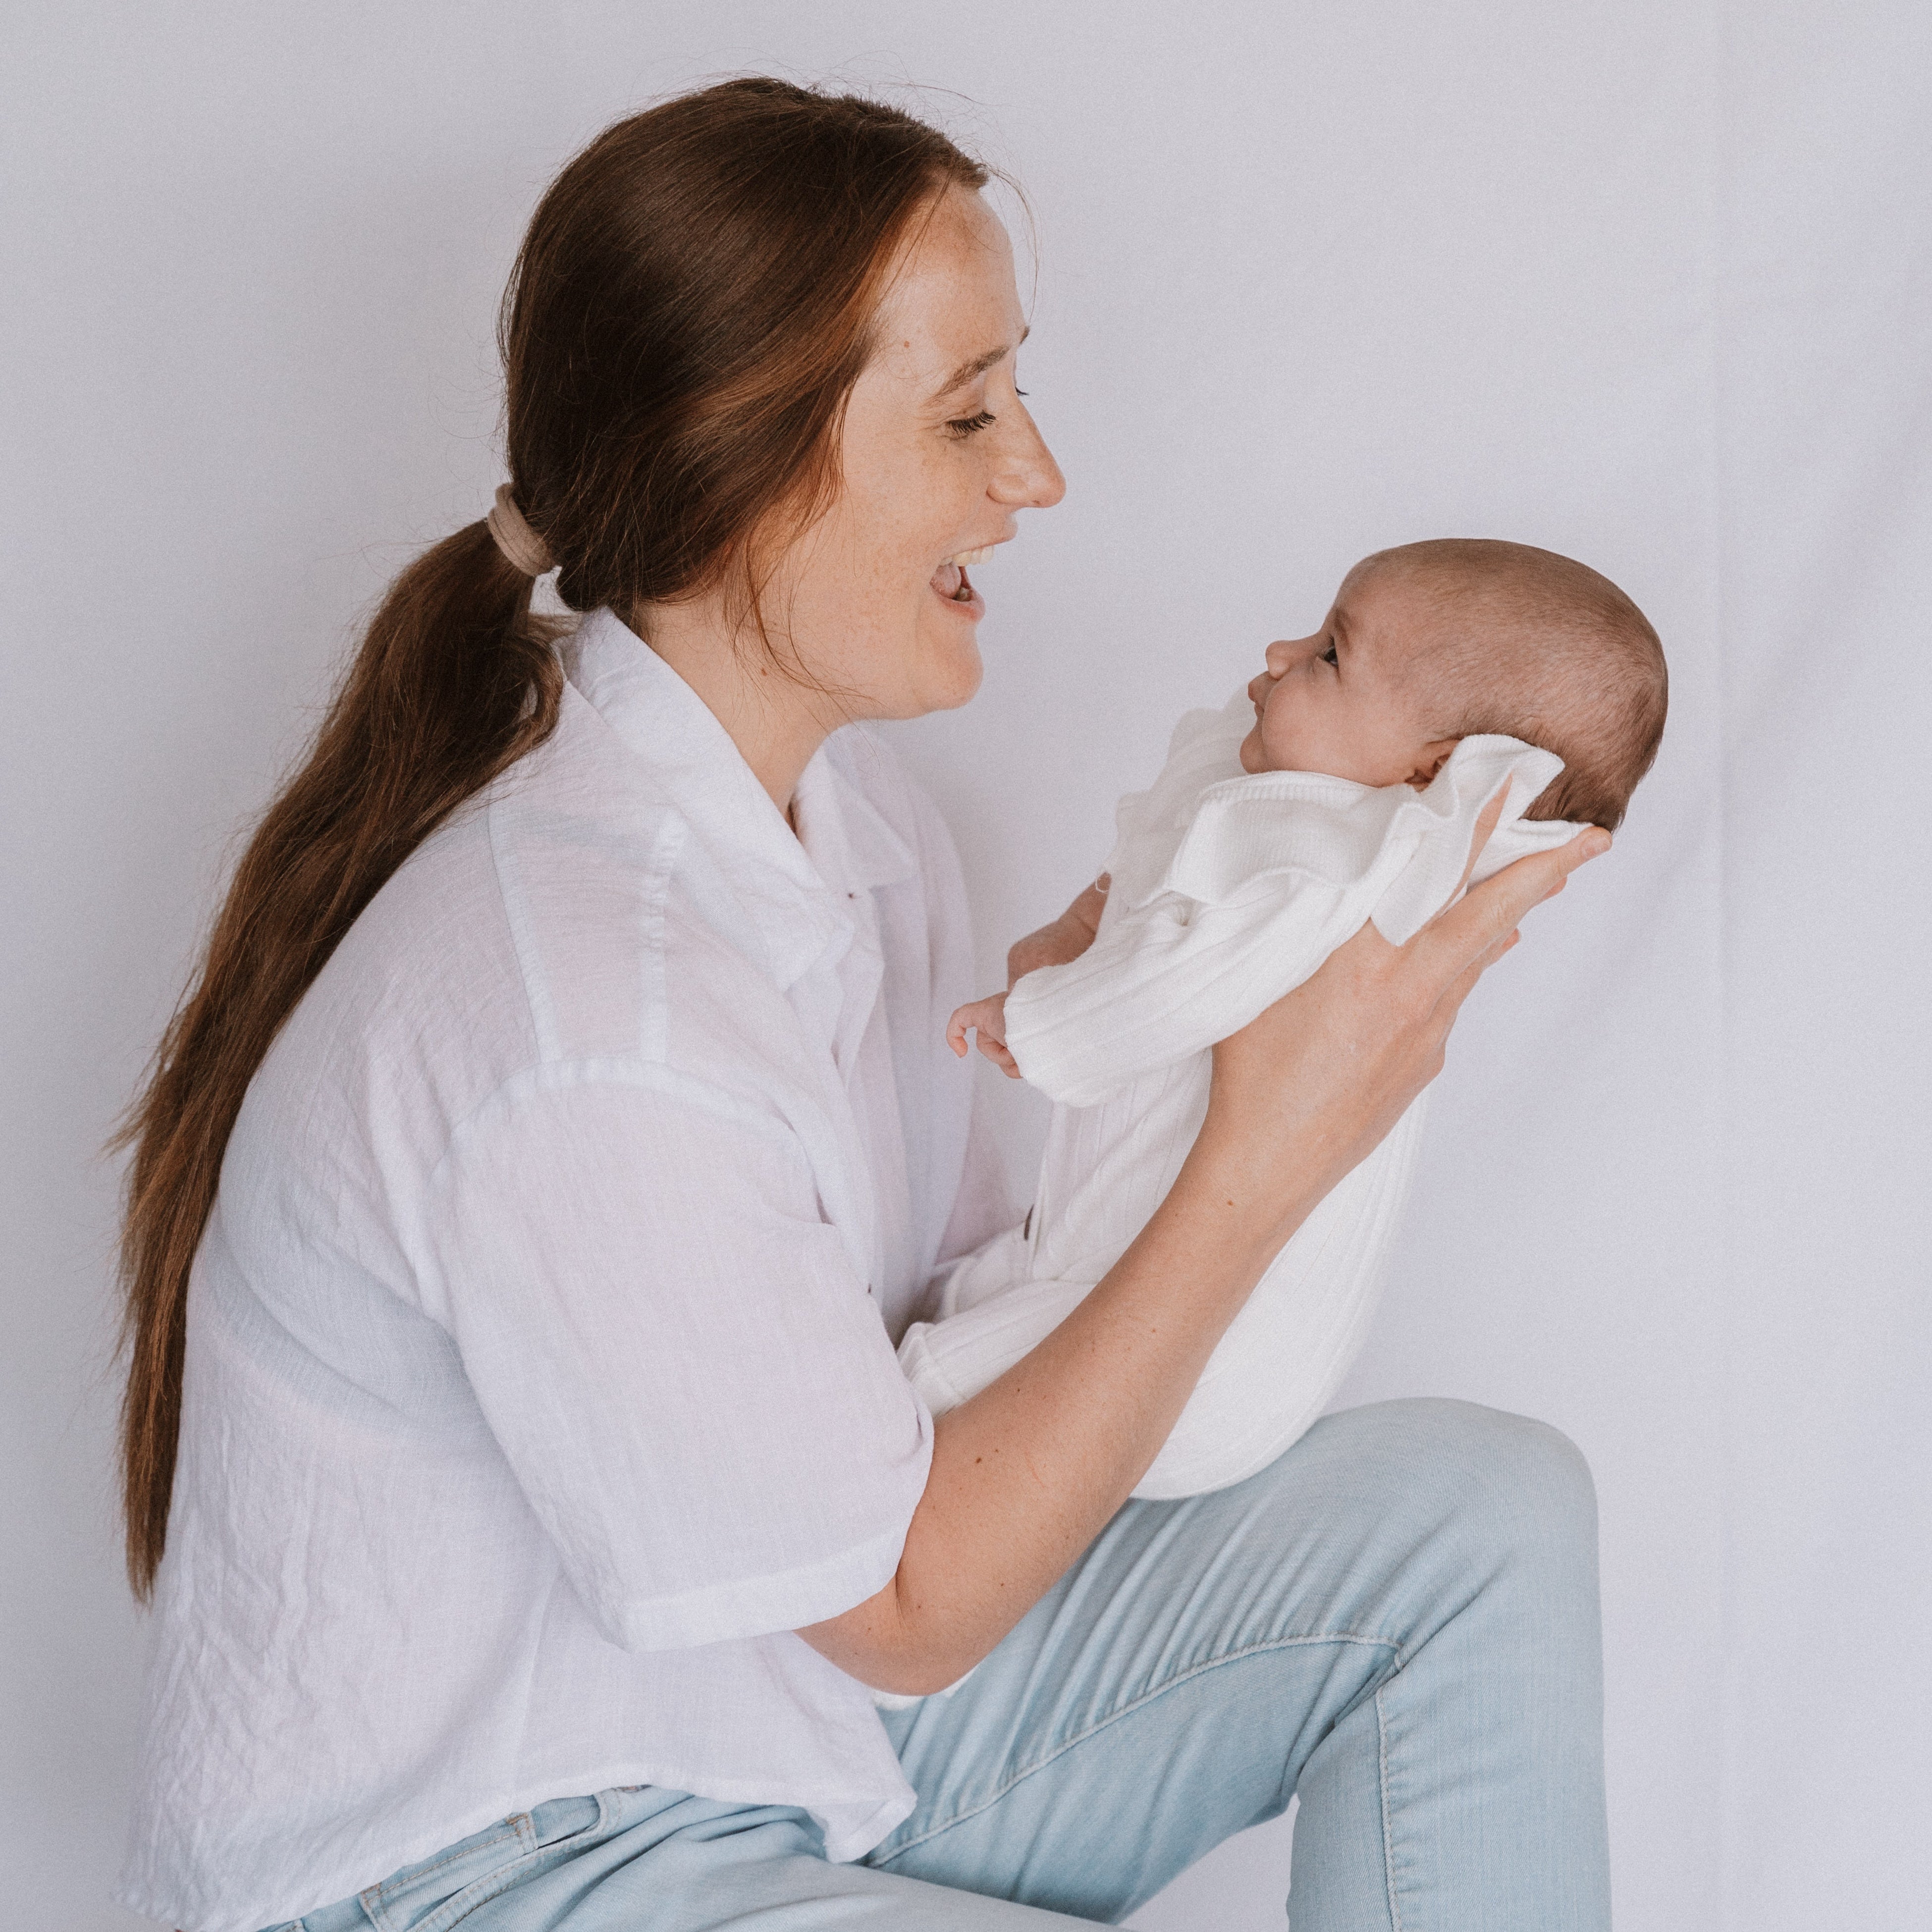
(1435, 642)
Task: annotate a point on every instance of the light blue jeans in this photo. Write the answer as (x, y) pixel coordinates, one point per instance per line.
(1398, 1619)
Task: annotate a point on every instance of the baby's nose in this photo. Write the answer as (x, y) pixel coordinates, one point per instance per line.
(1280, 655)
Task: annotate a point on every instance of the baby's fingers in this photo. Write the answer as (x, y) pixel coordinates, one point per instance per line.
(995, 1051)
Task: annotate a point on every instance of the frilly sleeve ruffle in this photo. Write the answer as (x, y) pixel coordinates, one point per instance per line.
(1229, 890)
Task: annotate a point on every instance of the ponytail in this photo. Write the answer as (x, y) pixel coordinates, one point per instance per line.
(455, 680)
(690, 307)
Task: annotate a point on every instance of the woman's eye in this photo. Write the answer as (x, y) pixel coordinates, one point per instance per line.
(963, 426)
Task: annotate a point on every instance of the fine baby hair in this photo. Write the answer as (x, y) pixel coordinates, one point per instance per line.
(1522, 643)
(1345, 785)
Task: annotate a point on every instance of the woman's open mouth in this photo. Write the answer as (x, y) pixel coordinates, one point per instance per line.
(949, 581)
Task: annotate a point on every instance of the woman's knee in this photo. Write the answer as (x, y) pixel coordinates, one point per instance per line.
(1516, 1461)
(1480, 1476)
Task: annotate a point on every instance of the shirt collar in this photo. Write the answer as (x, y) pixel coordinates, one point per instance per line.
(853, 847)
(793, 892)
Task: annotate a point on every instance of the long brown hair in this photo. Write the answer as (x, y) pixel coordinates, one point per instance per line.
(687, 315)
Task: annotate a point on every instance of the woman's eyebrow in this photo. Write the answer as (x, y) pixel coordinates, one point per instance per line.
(976, 365)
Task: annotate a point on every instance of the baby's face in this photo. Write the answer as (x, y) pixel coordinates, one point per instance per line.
(1338, 701)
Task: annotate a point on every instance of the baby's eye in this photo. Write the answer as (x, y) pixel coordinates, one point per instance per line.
(1328, 657)
(962, 427)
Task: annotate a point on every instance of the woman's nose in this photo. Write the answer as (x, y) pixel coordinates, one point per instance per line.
(1028, 478)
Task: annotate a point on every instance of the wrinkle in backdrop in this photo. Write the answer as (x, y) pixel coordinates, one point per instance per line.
(1647, 284)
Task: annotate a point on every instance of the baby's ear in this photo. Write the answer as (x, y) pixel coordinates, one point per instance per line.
(1430, 760)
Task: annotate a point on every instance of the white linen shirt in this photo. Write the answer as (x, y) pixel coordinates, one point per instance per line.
(540, 1375)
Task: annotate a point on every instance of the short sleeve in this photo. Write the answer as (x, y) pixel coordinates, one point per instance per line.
(691, 1384)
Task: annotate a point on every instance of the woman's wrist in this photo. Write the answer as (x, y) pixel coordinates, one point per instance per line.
(1250, 1191)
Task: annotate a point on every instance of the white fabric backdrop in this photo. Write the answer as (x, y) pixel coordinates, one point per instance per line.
(1646, 282)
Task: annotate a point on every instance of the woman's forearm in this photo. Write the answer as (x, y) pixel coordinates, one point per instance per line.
(1026, 1474)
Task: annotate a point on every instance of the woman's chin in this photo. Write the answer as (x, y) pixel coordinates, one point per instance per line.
(956, 676)
(948, 670)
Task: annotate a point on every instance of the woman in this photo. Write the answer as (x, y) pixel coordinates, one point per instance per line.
(548, 1506)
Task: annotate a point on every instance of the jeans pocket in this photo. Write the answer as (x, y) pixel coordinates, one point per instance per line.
(547, 1837)
(408, 1899)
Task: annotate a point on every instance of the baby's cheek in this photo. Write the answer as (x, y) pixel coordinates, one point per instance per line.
(1287, 744)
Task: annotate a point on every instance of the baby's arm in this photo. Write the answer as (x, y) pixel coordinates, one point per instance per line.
(1054, 944)
(1167, 979)
(1060, 939)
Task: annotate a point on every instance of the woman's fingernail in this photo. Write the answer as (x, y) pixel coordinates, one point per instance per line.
(1596, 842)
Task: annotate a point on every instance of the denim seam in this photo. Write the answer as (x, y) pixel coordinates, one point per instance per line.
(532, 1862)
(597, 1827)
(370, 1898)
(1127, 1710)
(1388, 1833)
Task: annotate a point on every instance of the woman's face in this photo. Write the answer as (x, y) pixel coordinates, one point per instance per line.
(939, 453)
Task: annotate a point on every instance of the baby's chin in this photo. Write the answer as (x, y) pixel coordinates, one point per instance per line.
(1255, 756)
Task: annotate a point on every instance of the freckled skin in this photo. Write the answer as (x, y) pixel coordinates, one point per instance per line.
(929, 468)
(916, 491)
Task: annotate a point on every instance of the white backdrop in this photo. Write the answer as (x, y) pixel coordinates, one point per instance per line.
(1646, 281)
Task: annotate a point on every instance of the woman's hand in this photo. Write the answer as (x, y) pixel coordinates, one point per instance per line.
(1329, 1070)
(1025, 1474)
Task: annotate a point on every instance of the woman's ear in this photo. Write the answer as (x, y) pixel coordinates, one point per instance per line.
(1430, 760)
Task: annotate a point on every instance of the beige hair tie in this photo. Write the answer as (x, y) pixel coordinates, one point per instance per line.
(515, 538)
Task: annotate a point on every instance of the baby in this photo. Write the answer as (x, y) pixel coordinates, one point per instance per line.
(1344, 784)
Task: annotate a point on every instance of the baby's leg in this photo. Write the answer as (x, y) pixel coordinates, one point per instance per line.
(1103, 1171)
(1275, 1370)
(1284, 1356)
(948, 1360)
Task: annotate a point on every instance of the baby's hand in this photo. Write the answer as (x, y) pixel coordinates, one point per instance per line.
(986, 1017)
(1063, 939)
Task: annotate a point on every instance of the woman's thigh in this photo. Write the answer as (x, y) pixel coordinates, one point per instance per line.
(648, 1860)
(1398, 1617)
